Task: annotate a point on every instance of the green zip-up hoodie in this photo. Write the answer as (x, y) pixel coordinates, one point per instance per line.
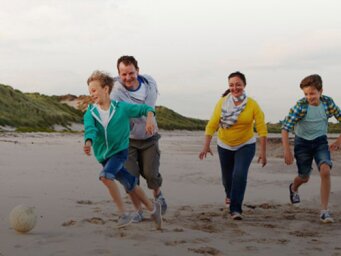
(109, 140)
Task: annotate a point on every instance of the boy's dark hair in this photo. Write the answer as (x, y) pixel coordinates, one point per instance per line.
(235, 74)
(127, 60)
(104, 78)
(312, 80)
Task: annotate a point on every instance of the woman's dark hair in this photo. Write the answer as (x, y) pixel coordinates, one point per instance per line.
(235, 74)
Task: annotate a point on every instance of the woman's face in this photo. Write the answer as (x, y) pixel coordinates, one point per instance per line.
(236, 86)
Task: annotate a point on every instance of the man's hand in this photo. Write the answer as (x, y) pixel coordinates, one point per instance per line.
(150, 127)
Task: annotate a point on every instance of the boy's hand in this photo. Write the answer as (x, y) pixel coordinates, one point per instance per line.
(150, 127)
(87, 147)
(335, 146)
(288, 157)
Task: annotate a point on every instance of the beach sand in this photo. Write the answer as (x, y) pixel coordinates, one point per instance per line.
(77, 217)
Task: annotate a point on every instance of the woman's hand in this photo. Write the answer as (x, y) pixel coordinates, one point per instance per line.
(204, 152)
(206, 149)
(262, 159)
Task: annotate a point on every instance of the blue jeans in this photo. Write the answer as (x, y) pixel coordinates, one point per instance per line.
(234, 169)
(307, 150)
(113, 168)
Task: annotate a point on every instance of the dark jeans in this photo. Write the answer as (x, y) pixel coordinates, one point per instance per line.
(307, 150)
(234, 168)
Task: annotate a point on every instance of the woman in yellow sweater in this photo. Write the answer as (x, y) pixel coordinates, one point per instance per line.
(234, 117)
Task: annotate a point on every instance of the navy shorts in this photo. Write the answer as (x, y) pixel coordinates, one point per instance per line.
(113, 168)
(308, 150)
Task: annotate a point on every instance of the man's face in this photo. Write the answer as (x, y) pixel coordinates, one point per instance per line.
(128, 75)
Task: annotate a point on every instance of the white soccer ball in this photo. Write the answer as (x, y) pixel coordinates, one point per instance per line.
(23, 218)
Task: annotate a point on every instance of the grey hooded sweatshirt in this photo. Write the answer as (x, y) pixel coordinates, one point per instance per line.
(120, 93)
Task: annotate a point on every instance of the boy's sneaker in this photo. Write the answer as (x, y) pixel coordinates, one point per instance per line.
(137, 216)
(156, 215)
(227, 202)
(124, 220)
(325, 217)
(294, 196)
(162, 202)
(236, 216)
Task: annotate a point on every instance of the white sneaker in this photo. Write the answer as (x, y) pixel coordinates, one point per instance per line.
(236, 216)
(124, 220)
(325, 217)
(138, 216)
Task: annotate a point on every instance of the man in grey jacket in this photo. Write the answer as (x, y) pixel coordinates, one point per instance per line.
(144, 152)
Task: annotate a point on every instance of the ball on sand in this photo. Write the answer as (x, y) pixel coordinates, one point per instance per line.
(23, 218)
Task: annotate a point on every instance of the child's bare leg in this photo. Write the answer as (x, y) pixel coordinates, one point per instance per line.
(325, 185)
(298, 181)
(139, 194)
(136, 201)
(115, 194)
(154, 208)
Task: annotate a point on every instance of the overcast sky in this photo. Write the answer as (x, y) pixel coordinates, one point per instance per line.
(188, 46)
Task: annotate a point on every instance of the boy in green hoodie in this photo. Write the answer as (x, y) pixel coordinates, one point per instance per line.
(106, 130)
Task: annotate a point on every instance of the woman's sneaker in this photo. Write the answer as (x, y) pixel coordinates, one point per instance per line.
(325, 217)
(124, 220)
(294, 196)
(138, 216)
(236, 216)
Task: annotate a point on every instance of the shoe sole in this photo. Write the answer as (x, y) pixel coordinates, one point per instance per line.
(124, 225)
(237, 217)
(327, 221)
(135, 222)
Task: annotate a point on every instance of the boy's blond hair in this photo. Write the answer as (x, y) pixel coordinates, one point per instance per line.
(104, 78)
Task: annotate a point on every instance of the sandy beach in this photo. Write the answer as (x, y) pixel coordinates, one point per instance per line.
(76, 216)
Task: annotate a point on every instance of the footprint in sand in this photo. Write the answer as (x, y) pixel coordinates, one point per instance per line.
(206, 227)
(84, 202)
(69, 223)
(206, 251)
(176, 242)
(95, 220)
(304, 233)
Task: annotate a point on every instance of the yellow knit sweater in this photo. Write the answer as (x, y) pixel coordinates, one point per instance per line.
(242, 130)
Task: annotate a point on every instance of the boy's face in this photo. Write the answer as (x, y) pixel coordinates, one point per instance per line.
(98, 94)
(312, 95)
(128, 75)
